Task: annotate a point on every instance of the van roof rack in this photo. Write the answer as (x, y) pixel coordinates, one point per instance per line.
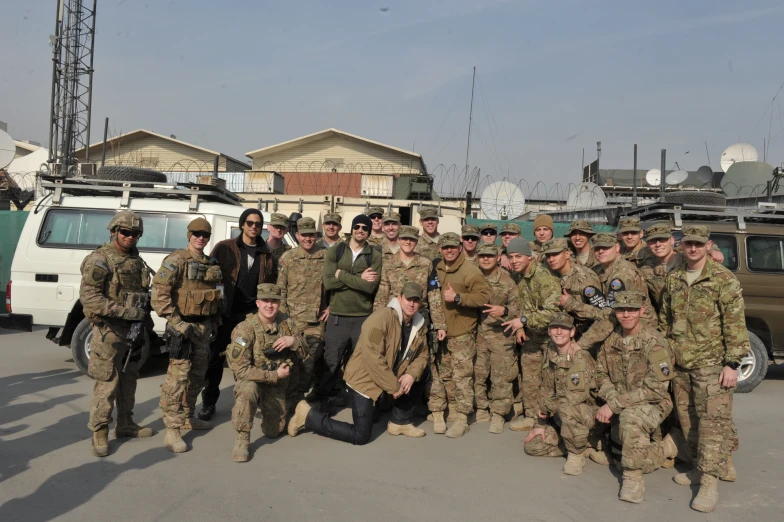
(677, 213)
(140, 189)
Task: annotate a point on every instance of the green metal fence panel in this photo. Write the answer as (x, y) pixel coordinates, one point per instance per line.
(528, 227)
(11, 224)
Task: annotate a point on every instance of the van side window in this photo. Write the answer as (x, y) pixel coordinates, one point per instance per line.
(765, 253)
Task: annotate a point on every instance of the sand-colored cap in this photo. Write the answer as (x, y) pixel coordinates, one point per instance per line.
(409, 232)
(487, 249)
(306, 225)
(562, 319)
(696, 233)
(470, 231)
(268, 291)
(375, 210)
(428, 213)
(200, 225)
(511, 228)
(580, 225)
(449, 239)
(659, 231)
(555, 246)
(629, 224)
(604, 240)
(279, 220)
(333, 217)
(628, 299)
(412, 290)
(392, 217)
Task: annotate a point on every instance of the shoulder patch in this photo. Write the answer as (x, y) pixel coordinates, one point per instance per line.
(241, 341)
(594, 297)
(661, 364)
(616, 284)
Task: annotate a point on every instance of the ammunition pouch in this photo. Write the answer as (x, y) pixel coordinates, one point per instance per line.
(199, 302)
(276, 359)
(179, 345)
(213, 274)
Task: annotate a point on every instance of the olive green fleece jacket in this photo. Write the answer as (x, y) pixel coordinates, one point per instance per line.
(350, 295)
(468, 281)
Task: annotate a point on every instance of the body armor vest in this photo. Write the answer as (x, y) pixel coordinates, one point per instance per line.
(197, 294)
(130, 281)
(264, 356)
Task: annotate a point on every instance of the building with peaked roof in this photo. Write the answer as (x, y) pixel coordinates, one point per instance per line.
(23, 148)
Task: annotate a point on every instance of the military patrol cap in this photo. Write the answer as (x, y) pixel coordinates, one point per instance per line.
(392, 217)
(580, 225)
(279, 220)
(629, 224)
(412, 290)
(268, 291)
(470, 231)
(555, 246)
(126, 219)
(200, 225)
(333, 217)
(562, 319)
(604, 239)
(518, 246)
(375, 210)
(659, 231)
(487, 249)
(511, 228)
(628, 299)
(409, 232)
(306, 225)
(696, 233)
(428, 213)
(449, 239)
(489, 226)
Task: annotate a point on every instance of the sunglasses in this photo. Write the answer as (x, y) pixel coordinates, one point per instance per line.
(360, 227)
(489, 233)
(375, 216)
(658, 240)
(129, 233)
(200, 234)
(253, 224)
(470, 238)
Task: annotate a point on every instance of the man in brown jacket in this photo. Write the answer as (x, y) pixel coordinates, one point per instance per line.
(390, 357)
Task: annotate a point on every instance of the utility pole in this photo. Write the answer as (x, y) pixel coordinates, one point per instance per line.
(663, 167)
(634, 179)
(470, 119)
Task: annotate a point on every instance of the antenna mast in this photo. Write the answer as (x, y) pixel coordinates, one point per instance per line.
(470, 118)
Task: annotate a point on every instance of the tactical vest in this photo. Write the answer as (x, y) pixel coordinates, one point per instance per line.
(262, 345)
(130, 281)
(197, 294)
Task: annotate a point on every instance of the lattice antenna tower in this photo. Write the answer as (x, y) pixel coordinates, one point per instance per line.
(72, 83)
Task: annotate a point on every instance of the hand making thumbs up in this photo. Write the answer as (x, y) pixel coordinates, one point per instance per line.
(449, 294)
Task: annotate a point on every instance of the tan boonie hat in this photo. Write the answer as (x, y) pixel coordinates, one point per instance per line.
(409, 232)
(428, 213)
(628, 299)
(511, 228)
(375, 210)
(412, 290)
(696, 233)
(470, 231)
(306, 225)
(200, 225)
(629, 224)
(488, 226)
(268, 291)
(449, 239)
(487, 249)
(604, 240)
(392, 217)
(562, 319)
(659, 231)
(580, 225)
(333, 217)
(279, 220)
(555, 246)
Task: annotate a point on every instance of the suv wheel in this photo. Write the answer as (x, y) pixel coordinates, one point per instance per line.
(80, 346)
(753, 367)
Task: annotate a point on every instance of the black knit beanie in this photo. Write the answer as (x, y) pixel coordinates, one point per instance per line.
(362, 219)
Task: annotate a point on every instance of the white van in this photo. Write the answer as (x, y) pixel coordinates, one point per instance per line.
(70, 222)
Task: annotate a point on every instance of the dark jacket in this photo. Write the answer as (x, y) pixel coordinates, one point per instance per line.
(227, 252)
(350, 295)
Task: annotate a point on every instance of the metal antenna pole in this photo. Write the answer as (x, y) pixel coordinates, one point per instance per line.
(634, 179)
(470, 118)
(663, 167)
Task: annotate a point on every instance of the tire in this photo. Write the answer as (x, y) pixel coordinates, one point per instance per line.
(120, 173)
(693, 197)
(80, 346)
(753, 367)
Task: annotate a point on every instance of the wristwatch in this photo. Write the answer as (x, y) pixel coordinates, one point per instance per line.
(457, 298)
(506, 311)
(523, 320)
(732, 365)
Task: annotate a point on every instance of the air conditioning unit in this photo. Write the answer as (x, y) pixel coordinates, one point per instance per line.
(87, 170)
(767, 205)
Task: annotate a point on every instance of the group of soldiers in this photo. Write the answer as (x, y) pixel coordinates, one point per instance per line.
(601, 346)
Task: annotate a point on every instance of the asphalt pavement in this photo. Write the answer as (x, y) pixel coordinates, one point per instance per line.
(48, 472)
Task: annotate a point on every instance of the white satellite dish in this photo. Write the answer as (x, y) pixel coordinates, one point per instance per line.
(736, 154)
(584, 196)
(653, 177)
(7, 149)
(705, 174)
(747, 178)
(676, 177)
(502, 200)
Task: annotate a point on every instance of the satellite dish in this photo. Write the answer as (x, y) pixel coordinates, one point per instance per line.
(7, 149)
(705, 174)
(502, 200)
(738, 153)
(653, 177)
(676, 177)
(747, 178)
(585, 196)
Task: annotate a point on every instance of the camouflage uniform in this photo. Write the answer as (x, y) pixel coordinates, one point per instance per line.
(428, 246)
(654, 272)
(639, 253)
(584, 287)
(279, 220)
(373, 239)
(581, 225)
(706, 324)
(330, 217)
(395, 274)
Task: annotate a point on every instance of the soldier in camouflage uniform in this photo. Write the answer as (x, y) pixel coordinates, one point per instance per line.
(303, 299)
(544, 228)
(376, 215)
(664, 259)
(428, 241)
(113, 294)
(509, 231)
(391, 244)
(630, 239)
(703, 315)
(539, 291)
(263, 349)
(330, 230)
(489, 232)
(566, 421)
(277, 228)
(471, 238)
(184, 293)
(580, 234)
(495, 349)
(634, 369)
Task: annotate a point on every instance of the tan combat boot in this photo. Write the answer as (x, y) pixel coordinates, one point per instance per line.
(517, 410)
(522, 424)
(240, 451)
(731, 475)
(195, 423)
(297, 422)
(633, 486)
(459, 427)
(688, 478)
(575, 462)
(670, 451)
(126, 428)
(496, 424)
(409, 430)
(101, 442)
(708, 496)
(598, 456)
(483, 416)
(173, 441)
(439, 425)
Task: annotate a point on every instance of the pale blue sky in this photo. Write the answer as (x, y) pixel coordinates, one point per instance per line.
(553, 77)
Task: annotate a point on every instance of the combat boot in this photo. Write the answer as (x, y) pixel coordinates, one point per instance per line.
(409, 430)
(297, 422)
(598, 456)
(708, 496)
(195, 423)
(439, 425)
(101, 442)
(459, 427)
(482, 416)
(670, 451)
(496, 424)
(575, 462)
(633, 486)
(688, 478)
(522, 424)
(731, 475)
(173, 441)
(240, 451)
(517, 410)
(126, 428)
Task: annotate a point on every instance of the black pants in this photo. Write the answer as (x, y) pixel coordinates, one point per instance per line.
(340, 336)
(212, 378)
(362, 410)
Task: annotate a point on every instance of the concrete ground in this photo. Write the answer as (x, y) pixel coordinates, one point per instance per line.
(48, 472)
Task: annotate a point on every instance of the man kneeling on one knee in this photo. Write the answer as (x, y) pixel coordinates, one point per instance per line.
(390, 356)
